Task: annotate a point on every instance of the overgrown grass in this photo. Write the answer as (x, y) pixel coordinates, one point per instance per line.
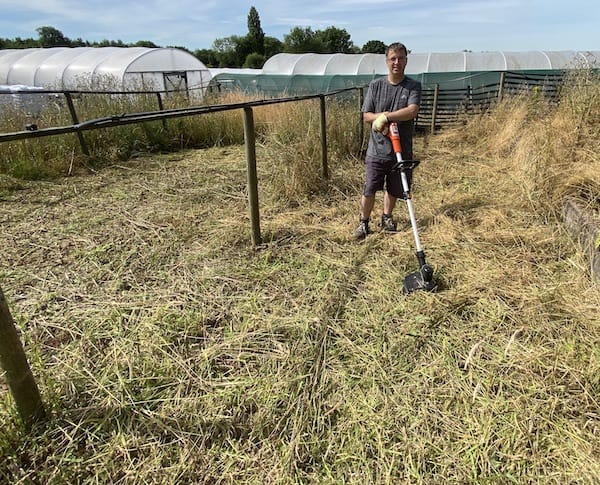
(168, 350)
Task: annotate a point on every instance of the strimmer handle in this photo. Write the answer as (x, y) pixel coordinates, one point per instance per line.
(394, 136)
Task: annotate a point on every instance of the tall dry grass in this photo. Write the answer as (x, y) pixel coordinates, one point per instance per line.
(169, 350)
(61, 155)
(548, 150)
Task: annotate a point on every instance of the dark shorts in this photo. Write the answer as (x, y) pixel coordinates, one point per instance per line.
(379, 175)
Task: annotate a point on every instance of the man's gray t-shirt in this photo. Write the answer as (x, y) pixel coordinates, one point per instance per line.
(385, 96)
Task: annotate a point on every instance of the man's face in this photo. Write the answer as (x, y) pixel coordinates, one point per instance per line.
(396, 61)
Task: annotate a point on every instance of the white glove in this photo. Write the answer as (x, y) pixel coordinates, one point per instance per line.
(381, 124)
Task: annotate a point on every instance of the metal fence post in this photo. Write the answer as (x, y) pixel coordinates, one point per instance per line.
(18, 373)
(252, 176)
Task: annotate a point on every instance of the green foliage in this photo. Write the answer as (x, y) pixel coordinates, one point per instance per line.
(209, 57)
(328, 41)
(301, 40)
(231, 51)
(254, 61)
(19, 43)
(255, 32)
(49, 157)
(272, 46)
(373, 47)
(51, 37)
(145, 43)
(334, 40)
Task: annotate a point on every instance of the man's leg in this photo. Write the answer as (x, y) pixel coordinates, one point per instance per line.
(366, 206)
(387, 221)
(389, 202)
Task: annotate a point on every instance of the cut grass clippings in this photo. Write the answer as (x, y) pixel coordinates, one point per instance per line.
(168, 350)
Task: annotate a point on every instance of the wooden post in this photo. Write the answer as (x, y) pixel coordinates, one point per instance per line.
(436, 95)
(161, 108)
(324, 137)
(501, 85)
(18, 373)
(252, 175)
(584, 227)
(82, 142)
(361, 123)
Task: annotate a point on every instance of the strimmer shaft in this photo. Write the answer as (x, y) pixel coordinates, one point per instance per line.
(411, 211)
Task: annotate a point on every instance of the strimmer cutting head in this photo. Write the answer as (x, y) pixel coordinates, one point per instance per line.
(420, 280)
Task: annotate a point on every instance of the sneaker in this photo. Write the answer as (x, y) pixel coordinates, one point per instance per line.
(388, 224)
(361, 231)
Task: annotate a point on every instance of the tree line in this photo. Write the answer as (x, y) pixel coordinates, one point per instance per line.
(250, 50)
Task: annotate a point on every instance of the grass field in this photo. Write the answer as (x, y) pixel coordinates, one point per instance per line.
(169, 350)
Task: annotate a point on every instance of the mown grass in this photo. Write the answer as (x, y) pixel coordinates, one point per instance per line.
(168, 350)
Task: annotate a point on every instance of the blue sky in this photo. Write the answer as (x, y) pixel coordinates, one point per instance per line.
(424, 26)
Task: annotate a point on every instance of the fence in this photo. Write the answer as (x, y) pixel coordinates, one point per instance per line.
(439, 108)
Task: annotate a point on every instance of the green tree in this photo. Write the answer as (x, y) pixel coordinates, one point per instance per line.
(334, 40)
(180, 47)
(373, 47)
(145, 43)
(254, 61)
(51, 37)
(229, 51)
(255, 32)
(109, 43)
(207, 56)
(18, 43)
(79, 42)
(272, 46)
(301, 40)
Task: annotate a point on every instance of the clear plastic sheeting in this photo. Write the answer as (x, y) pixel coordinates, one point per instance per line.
(24, 98)
(104, 68)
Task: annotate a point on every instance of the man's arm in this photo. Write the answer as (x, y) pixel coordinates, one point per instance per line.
(402, 114)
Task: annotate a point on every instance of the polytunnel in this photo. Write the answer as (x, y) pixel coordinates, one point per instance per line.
(104, 68)
(324, 64)
(317, 73)
(418, 63)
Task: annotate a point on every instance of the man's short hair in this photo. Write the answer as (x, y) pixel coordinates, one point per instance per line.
(395, 47)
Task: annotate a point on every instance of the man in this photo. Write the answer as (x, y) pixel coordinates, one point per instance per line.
(397, 98)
